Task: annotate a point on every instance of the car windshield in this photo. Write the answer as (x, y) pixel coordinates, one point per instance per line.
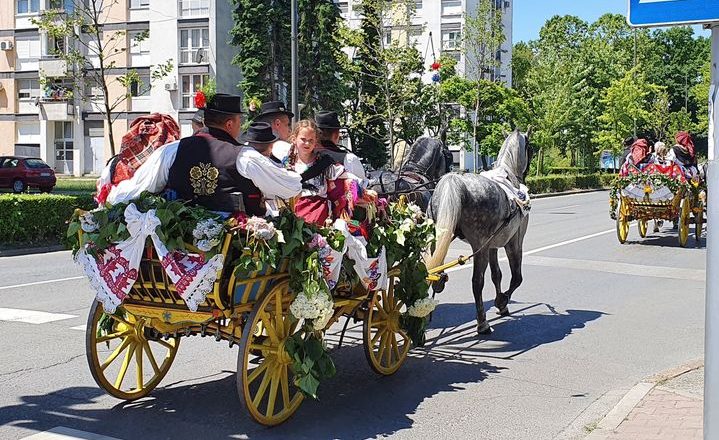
(36, 163)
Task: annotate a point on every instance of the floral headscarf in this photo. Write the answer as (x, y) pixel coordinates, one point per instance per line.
(640, 150)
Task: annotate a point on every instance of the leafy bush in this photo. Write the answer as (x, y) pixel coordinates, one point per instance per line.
(557, 183)
(568, 170)
(87, 185)
(38, 218)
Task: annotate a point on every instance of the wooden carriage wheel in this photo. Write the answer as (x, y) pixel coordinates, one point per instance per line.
(642, 226)
(622, 221)
(128, 347)
(385, 344)
(684, 219)
(264, 369)
(699, 221)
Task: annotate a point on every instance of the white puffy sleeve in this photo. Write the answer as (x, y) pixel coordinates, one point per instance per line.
(354, 166)
(272, 181)
(151, 176)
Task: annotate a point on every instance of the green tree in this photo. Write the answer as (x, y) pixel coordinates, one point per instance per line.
(91, 54)
(522, 59)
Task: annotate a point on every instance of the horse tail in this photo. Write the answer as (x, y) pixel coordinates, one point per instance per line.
(446, 213)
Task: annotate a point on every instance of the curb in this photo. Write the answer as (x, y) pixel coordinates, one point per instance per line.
(29, 251)
(631, 399)
(566, 193)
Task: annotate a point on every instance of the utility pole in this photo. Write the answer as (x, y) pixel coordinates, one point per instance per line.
(294, 66)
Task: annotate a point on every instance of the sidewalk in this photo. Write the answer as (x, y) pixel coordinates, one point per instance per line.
(665, 407)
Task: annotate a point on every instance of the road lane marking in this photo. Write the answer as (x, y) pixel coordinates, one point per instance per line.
(37, 283)
(619, 268)
(31, 316)
(543, 248)
(63, 433)
(81, 328)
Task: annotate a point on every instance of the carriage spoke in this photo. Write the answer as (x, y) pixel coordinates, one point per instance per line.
(115, 354)
(395, 347)
(263, 348)
(284, 380)
(165, 344)
(379, 324)
(388, 348)
(256, 372)
(138, 359)
(390, 296)
(279, 323)
(384, 301)
(263, 387)
(269, 328)
(112, 336)
(123, 368)
(121, 321)
(382, 347)
(377, 336)
(273, 393)
(151, 357)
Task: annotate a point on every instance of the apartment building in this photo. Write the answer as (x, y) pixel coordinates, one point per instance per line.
(436, 29)
(71, 135)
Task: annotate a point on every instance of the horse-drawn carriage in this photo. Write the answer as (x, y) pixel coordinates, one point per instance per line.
(251, 300)
(658, 194)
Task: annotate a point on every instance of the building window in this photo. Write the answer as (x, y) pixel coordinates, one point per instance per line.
(194, 45)
(190, 85)
(139, 4)
(61, 5)
(27, 49)
(418, 5)
(63, 141)
(56, 46)
(387, 37)
(343, 7)
(28, 6)
(451, 40)
(142, 88)
(139, 42)
(194, 8)
(28, 89)
(451, 7)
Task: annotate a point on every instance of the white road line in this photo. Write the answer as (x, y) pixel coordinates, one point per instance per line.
(81, 328)
(31, 316)
(637, 270)
(63, 433)
(542, 249)
(37, 283)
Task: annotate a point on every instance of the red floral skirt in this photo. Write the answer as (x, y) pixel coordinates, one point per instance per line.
(313, 209)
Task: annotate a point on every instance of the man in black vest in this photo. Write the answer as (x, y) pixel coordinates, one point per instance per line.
(329, 125)
(212, 168)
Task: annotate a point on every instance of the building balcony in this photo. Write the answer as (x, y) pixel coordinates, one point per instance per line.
(61, 110)
(53, 67)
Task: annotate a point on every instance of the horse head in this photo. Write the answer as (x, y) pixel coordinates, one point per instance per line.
(516, 154)
(427, 157)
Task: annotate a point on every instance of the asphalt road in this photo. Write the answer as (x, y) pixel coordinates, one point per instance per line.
(592, 318)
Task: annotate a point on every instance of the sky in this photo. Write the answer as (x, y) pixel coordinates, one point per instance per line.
(530, 15)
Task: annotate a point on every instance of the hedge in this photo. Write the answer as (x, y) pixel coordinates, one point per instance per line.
(37, 218)
(568, 170)
(86, 185)
(558, 183)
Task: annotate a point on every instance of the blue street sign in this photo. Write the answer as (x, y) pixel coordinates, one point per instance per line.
(672, 12)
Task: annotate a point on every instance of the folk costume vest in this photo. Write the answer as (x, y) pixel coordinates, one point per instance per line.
(336, 152)
(205, 172)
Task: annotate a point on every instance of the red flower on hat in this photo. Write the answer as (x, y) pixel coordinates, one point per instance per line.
(436, 65)
(200, 100)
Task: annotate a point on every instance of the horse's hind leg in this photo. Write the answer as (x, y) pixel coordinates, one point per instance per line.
(480, 267)
(514, 256)
(496, 271)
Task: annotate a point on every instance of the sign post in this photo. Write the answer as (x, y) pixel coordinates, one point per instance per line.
(650, 13)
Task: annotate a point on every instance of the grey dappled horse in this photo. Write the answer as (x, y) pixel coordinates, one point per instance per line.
(476, 209)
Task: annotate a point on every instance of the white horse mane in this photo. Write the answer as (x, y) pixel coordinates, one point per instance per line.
(513, 156)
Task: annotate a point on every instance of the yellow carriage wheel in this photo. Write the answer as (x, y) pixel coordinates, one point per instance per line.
(642, 225)
(699, 222)
(385, 343)
(265, 381)
(684, 219)
(129, 360)
(622, 221)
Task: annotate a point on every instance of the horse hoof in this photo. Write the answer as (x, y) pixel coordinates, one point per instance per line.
(503, 312)
(484, 329)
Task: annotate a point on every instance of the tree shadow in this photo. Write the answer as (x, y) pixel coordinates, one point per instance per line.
(355, 404)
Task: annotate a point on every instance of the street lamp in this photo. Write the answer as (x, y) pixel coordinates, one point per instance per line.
(293, 50)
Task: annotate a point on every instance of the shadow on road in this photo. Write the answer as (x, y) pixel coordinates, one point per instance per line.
(666, 238)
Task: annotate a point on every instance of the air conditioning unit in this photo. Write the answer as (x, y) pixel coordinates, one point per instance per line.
(171, 87)
(6, 45)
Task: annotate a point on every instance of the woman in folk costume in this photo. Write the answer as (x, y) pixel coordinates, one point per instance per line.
(313, 205)
(685, 153)
(637, 159)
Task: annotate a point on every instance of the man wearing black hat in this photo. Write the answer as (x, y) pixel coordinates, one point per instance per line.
(205, 168)
(329, 125)
(276, 114)
(198, 121)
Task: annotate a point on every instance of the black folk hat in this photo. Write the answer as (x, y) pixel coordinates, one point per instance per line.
(199, 116)
(327, 120)
(223, 103)
(258, 133)
(275, 108)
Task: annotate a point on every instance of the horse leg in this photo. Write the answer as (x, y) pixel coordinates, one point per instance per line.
(480, 267)
(496, 271)
(514, 256)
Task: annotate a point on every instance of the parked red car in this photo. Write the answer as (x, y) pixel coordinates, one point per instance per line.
(19, 173)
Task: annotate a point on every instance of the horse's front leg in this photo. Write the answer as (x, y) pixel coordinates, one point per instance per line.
(514, 256)
(480, 267)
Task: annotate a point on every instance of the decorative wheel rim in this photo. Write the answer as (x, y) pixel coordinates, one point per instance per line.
(385, 343)
(124, 361)
(684, 222)
(264, 369)
(642, 225)
(622, 223)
